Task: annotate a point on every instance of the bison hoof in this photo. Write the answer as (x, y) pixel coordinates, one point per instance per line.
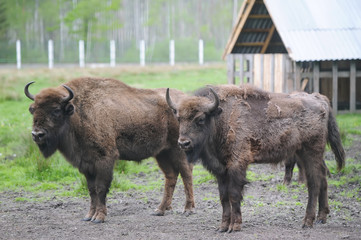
(320, 221)
(158, 212)
(86, 219)
(97, 221)
(187, 213)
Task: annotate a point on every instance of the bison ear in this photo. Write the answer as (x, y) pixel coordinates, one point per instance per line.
(69, 109)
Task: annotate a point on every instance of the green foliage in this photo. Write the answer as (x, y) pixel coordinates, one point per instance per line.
(201, 175)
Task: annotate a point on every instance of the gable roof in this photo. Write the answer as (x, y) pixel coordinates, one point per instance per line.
(307, 30)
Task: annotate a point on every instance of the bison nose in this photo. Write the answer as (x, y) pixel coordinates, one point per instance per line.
(38, 136)
(184, 144)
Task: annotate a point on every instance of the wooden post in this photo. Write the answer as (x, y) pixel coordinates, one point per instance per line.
(241, 69)
(81, 54)
(334, 87)
(297, 77)
(18, 54)
(262, 71)
(171, 52)
(316, 77)
(200, 52)
(353, 86)
(250, 68)
(272, 80)
(230, 69)
(50, 54)
(142, 52)
(112, 53)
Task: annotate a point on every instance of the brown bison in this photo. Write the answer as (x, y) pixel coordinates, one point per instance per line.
(94, 122)
(230, 127)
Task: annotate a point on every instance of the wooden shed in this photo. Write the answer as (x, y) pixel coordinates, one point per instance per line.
(285, 46)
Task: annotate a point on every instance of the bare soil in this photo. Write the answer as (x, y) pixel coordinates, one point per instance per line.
(269, 212)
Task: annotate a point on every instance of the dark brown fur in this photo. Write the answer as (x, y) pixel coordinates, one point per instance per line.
(105, 121)
(254, 126)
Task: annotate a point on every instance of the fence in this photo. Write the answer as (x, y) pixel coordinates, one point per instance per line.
(112, 53)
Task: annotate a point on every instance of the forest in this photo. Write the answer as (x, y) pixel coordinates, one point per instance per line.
(127, 22)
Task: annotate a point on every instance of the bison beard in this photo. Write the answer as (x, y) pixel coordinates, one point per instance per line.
(245, 125)
(90, 120)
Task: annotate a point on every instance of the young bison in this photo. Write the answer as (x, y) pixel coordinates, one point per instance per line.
(230, 127)
(94, 122)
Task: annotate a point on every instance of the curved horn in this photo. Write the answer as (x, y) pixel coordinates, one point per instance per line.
(26, 91)
(71, 94)
(213, 106)
(169, 101)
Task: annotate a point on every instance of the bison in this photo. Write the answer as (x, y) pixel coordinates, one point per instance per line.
(229, 127)
(93, 122)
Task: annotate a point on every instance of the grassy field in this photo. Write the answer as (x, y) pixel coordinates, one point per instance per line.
(22, 168)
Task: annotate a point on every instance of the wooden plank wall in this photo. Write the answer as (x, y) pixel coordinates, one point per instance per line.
(278, 73)
(266, 71)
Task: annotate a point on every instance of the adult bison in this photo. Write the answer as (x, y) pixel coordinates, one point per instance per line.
(94, 122)
(230, 127)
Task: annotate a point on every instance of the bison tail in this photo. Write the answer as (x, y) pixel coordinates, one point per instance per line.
(334, 140)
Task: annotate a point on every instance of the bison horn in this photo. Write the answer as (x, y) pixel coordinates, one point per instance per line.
(71, 94)
(26, 91)
(213, 106)
(169, 101)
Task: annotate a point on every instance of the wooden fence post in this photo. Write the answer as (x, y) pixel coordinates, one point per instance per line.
(142, 52)
(81, 54)
(171, 52)
(18, 54)
(51, 54)
(200, 52)
(112, 53)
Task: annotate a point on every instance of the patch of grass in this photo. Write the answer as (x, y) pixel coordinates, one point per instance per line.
(201, 175)
(282, 188)
(22, 199)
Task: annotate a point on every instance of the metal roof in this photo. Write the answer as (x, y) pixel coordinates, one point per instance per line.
(309, 30)
(313, 30)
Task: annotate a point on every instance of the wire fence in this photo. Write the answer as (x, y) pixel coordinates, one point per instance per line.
(107, 53)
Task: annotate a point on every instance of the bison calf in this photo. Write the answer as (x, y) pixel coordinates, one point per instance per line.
(94, 122)
(230, 127)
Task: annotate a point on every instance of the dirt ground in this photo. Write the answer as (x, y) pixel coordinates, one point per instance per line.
(268, 213)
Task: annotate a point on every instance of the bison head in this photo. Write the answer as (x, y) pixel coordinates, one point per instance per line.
(51, 111)
(196, 122)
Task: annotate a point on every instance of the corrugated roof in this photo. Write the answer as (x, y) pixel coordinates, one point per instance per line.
(310, 30)
(318, 30)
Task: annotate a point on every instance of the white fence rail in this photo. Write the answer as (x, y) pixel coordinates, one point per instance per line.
(112, 53)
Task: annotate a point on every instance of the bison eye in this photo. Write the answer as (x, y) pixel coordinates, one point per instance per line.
(31, 110)
(56, 112)
(201, 120)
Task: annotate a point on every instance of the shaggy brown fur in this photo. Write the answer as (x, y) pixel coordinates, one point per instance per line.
(105, 121)
(232, 127)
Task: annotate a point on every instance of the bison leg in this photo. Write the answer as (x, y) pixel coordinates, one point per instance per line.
(103, 180)
(312, 160)
(289, 166)
(164, 160)
(301, 174)
(324, 209)
(93, 197)
(226, 207)
(187, 177)
(237, 180)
